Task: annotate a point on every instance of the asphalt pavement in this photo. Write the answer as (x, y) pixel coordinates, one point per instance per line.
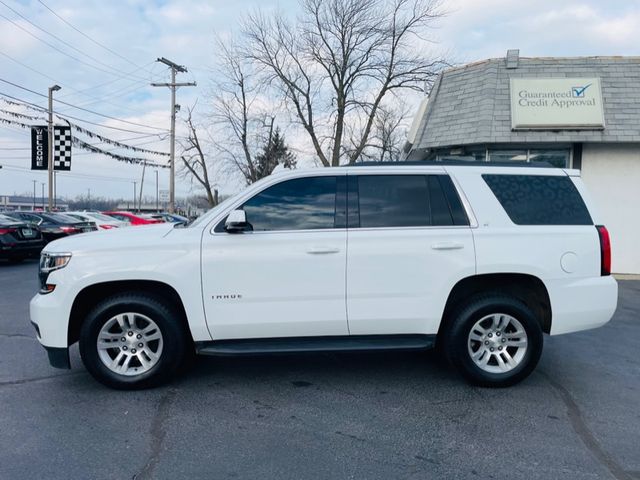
(323, 416)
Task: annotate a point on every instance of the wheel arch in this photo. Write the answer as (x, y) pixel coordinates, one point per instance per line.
(89, 296)
(527, 288)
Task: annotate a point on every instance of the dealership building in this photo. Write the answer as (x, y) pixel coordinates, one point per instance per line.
(577, 112)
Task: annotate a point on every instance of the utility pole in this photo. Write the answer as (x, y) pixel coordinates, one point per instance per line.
(42, 183)
(144, 167)
(172, 147)
(34, 193)
(52, 89)
(157, 194)
(134, 196)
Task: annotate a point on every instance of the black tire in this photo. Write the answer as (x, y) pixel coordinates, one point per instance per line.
(455, 339)
(176, 341)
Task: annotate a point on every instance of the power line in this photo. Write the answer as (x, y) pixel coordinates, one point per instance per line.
(57, 38)
(110, 72)
(93, 112)
(87, 146)
(85, 35)
(84, 131)
(22, 131)
(28, 67)
(109, 82)
(104, 99)
(101, 99)
(36, 107)
(70, 174)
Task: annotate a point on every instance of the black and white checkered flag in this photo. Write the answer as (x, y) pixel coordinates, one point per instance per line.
(62, 148)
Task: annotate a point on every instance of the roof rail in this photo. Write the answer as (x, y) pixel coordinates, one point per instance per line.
(450, 163)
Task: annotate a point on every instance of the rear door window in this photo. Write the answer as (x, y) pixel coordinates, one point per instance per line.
(393, 201)
(405, 201)
(539, 199)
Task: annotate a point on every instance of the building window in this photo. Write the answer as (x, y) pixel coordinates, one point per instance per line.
(508, 156)
(557, 158)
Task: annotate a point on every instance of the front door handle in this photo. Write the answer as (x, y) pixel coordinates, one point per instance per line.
(447, 246)
(322, 250)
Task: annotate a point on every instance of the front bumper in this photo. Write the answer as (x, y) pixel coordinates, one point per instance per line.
(50, 317)
(58, 357)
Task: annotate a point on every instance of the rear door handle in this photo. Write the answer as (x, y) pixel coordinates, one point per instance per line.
(447, 246)
(322, 250)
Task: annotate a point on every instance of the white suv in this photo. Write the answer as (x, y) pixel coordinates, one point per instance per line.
(479, 261)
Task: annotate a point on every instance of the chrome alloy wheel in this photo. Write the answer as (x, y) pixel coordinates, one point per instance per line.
(497, 343)
(129, 344)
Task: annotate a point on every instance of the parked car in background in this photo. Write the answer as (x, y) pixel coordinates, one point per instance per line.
(54, 225)
(168, 217)
(18, 239)
(103, 222)
(132, 219)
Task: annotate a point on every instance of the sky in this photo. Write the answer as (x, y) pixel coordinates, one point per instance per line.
(108, 67)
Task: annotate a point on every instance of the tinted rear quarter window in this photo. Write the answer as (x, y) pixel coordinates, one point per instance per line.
(539, 199)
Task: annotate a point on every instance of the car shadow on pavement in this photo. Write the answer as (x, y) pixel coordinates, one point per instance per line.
(307, 369)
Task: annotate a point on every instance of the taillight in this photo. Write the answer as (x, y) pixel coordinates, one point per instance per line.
(107, 227)
(69, 229)
(605, 250)
(4, 231)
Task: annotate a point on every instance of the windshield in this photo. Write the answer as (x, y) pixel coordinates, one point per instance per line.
(5, 219)
(59, 217)
(100, 216)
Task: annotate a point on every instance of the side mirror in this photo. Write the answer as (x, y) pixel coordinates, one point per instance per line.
(237, 222)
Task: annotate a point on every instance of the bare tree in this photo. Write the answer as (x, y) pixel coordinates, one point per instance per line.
(195, 161)
(335, 65)
(388, 133)
(242, 112)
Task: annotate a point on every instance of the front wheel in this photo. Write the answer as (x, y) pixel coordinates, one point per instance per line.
(494, 341)
(133, 341)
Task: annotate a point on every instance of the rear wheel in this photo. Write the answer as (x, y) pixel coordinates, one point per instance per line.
(494, 341)
(132, 341)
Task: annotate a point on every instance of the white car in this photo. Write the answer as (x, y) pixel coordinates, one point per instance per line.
(103, 222)
(480, 260)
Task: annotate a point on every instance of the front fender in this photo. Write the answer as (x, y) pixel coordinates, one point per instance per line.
(179, 269)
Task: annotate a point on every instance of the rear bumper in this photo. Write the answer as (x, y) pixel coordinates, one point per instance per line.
(19, 250)
(582, 304)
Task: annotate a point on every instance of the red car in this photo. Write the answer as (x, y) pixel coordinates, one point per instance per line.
(132, 219)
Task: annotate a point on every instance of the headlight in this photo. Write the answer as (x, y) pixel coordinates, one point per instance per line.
(48, 263)
(53, 261)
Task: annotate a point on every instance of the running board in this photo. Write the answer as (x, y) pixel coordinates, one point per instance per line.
(348, 343)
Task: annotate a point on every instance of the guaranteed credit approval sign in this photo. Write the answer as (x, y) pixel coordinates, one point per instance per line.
(556, 103)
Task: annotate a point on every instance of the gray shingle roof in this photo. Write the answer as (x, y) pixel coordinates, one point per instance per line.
(471, 104)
